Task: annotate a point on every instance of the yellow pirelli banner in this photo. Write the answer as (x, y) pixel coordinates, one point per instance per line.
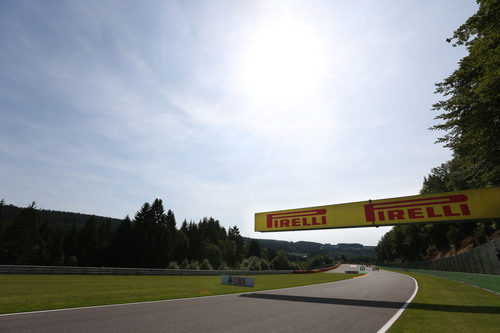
(482, 204)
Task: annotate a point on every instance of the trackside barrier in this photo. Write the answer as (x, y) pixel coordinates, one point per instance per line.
(27, 269)
(484, 259)
(316, 270)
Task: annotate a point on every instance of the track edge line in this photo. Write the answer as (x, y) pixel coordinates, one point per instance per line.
(391, 321)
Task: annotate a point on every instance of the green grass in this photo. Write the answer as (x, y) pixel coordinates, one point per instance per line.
(486, 281)
(19, 293)
(443, 305)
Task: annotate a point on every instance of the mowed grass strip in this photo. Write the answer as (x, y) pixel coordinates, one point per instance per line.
(20, 293)
(443, 305)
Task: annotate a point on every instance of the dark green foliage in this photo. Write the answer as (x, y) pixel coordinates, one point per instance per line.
(69, 246)
(2, 231)
(213, 254)
(184, 264)
(454, 236)
(22, 239)
(151, 239)
(193, 265)
(205, 264)
(470, 114)
(319, 261)
(233, 247)
(280, 261)
(482, 232)
(444, 178)
(173, 265)
(181, 248)
(254, 249)
(254, 264)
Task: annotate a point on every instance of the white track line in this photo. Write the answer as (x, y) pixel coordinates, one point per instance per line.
(400, 311)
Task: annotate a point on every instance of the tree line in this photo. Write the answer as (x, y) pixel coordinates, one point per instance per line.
(151, 239)
(470, 117)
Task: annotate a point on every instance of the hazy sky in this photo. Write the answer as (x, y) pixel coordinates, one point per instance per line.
(221, 108)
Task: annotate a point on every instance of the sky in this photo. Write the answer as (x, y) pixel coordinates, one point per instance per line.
(222, 108)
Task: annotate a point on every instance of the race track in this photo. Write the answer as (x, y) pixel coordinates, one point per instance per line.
(362, 304)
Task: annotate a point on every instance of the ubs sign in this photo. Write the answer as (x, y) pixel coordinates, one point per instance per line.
(242, 281)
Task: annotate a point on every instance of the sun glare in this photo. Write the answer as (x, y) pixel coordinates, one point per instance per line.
(282, 63)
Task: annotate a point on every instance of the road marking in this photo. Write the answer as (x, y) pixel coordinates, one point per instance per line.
(400, 311)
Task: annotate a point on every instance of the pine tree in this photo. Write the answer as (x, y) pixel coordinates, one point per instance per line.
(254, 249)
(22, 239)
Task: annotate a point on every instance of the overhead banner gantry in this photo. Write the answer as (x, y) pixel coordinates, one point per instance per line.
(481, 204)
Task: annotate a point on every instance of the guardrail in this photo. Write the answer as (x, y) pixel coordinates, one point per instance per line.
(484, 259)
(28, 269)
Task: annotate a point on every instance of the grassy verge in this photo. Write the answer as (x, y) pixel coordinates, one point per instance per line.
(486, 281)
(443, 305)
(21, 293)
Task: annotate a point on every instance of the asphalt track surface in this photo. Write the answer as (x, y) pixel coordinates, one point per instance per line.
(362, 304)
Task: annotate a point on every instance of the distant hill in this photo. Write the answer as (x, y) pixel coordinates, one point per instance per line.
(10, 212)
(349, 250)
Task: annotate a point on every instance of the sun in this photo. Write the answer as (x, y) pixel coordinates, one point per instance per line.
(283, 63)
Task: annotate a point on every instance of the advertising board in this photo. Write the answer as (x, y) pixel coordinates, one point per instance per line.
(481, 204)
(237, 280)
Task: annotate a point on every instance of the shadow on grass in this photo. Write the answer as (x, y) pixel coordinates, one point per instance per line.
(377, 304)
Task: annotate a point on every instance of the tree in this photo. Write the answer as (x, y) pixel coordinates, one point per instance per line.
(320, 260)
(212, 254)
(253, 264)
(280, 261)
(70, 246)
(104, 238)
(234, 247)
(171, 235)
(173, 265)
(181, 246)
(87, 243)
(470, 114)
(22, 239)
(122, 248)
(2, 228)
(205, 265)
(254, 249)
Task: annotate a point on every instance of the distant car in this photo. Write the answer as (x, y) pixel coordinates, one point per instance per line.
(374, 268)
